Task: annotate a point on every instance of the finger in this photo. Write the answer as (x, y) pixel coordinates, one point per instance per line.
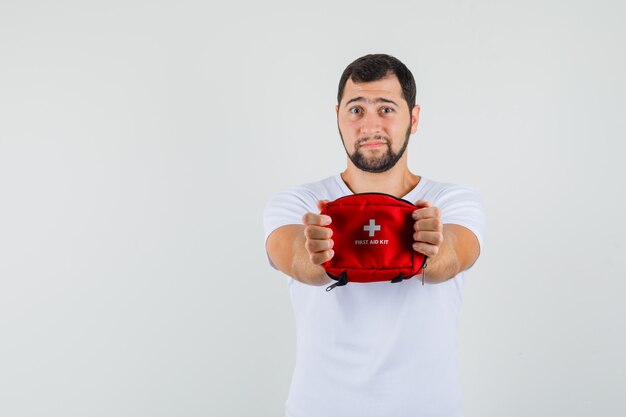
(314, 246)
(321, 204)
(316, 219)
(318, 232)
(321, 257)
(422, 203)
(426, 212)
(434, 238)
(432, 224)
(426, 249)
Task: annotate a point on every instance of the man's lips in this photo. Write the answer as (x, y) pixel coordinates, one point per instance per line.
(372, 144)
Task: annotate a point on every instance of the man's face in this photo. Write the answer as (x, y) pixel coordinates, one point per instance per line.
(375, 123)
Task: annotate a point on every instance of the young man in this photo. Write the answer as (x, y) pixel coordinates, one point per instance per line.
(376, 349)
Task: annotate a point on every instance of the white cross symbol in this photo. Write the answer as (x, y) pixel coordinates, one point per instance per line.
(372, 227)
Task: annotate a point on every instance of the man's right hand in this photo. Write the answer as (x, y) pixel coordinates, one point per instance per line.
(299, 250)
(318, 242)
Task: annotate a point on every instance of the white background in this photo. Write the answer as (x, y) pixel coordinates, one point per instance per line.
(140, 141)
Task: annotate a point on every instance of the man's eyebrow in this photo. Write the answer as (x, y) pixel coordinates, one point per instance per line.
(376, 100)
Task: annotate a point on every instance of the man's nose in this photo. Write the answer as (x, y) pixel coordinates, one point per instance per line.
(371, 124)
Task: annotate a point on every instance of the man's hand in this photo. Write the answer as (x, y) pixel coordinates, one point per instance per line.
(299, 250)
(318, 242)
(450, 248)
(428, 234)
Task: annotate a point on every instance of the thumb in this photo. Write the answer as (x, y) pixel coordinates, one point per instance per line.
(422, 204)
(321, 204)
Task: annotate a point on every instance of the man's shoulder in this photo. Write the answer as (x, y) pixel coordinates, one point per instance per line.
(433, 190)
(325, 184)
(325, 189)
(459, 203)
(289, 204)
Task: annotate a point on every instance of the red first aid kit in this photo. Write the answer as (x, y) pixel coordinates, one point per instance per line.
(373, 238)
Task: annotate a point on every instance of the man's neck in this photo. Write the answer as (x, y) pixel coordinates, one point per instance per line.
(398, 181)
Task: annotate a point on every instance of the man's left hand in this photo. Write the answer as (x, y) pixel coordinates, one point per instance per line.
(428, 234)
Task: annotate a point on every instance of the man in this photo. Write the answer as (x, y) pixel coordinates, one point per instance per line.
(376, 349)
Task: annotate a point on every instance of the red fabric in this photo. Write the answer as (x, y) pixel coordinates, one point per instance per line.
(373, 236)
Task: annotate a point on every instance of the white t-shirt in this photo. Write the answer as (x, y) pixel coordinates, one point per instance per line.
(376, 349)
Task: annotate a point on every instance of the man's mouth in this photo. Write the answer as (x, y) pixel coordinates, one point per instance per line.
(371, 143)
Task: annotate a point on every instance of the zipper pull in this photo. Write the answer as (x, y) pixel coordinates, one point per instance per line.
(424, 272)
(342, 280)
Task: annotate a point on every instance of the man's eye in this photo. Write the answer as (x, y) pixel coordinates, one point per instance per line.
(355, 110)
(387, 110)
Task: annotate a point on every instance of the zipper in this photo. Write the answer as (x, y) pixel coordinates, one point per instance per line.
(374, 193)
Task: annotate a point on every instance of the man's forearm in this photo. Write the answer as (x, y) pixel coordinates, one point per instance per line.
(302, 269)
(445, 264)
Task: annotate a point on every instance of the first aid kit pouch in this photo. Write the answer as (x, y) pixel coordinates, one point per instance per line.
(373, 238)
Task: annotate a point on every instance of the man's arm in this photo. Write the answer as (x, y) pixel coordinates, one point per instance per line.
(450, 248)
(300, 250)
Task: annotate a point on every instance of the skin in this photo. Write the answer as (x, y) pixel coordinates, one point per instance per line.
(369, 116)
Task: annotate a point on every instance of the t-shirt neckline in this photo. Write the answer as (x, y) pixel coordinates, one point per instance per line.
(410, 196)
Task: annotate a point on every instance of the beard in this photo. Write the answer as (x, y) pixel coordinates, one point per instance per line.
(380, 162)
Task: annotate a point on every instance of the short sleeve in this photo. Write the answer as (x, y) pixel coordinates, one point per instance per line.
(287, 207)
(463, 205)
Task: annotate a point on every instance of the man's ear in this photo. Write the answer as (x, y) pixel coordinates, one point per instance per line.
(337, 109)
(415, 118)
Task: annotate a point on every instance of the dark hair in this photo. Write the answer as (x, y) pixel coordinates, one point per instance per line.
(374, 67)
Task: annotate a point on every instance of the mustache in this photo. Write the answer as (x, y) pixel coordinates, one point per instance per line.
(364, 139)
